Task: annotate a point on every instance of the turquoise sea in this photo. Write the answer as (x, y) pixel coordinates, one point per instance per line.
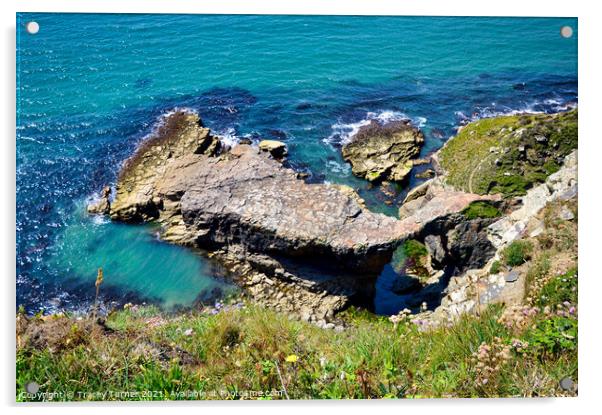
(90, 87)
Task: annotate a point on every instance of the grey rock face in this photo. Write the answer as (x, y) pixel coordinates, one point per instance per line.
(511, 276)
(435, 248)
(561, 185)
(245, 197)
(566, 214)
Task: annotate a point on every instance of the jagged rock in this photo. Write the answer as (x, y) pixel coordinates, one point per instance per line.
(180, 133)
(276, 148)
(566, 214)
(244, 197)
(433, 200)
(420, 162)
(383, 152)
(435, 248)
(426, 174)
(418, 191)
(103, 205)
(467, 243)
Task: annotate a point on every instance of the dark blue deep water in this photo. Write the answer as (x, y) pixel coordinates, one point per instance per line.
(90, 87)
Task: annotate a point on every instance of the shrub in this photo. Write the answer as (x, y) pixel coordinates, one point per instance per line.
(495, 267)
(514, 185)
(554, 335)
(414, 249)
(517, 253)
(481, 210)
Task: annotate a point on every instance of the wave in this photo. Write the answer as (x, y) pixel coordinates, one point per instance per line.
(229, 138)
(341, 169)
(546, 106)
(342, 133)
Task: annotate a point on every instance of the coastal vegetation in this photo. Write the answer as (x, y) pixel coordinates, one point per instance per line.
(253, 352)
(481, 209)
(416, 258)
(517, 253)
(508, 154)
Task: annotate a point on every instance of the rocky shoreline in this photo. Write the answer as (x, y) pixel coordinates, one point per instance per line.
(306, 249)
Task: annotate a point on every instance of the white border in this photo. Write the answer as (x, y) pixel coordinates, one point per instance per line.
(345, 7)
(590, 140)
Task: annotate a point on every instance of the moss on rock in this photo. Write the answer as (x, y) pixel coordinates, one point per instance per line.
(481, 209)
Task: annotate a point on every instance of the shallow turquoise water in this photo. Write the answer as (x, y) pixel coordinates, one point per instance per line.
(90, 87)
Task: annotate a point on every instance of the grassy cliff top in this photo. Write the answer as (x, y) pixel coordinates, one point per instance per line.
(508, 154)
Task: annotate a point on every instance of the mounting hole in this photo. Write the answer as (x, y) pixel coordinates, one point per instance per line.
(32, 28)
(566, 31)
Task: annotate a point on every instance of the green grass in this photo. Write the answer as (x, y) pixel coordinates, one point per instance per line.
(230, 354)
(496, 267)
(481, 209)
(560, 289)
(517, 253)
(489, 152)
(414, 249)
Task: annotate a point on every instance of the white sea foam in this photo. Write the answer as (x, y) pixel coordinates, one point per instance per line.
(342, 133)
(228, 137)
(100, 220)
(534, 107)
(342, 169)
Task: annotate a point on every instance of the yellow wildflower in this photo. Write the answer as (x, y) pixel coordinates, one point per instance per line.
(292, 358)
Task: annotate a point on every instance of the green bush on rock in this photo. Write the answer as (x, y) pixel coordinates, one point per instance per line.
(517, 253)
(414, 249)
(481, 209)
(495, 267)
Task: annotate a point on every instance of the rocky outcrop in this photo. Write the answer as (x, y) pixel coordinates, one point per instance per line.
(276, 148)
(101, 206)
(561, 185)
(383, 152)
(214, 199)
(179, 134)
(244, 197)
(304, 248)
(477, 286)
(508, 154)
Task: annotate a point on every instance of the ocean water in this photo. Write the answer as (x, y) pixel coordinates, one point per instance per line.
(90, 87)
